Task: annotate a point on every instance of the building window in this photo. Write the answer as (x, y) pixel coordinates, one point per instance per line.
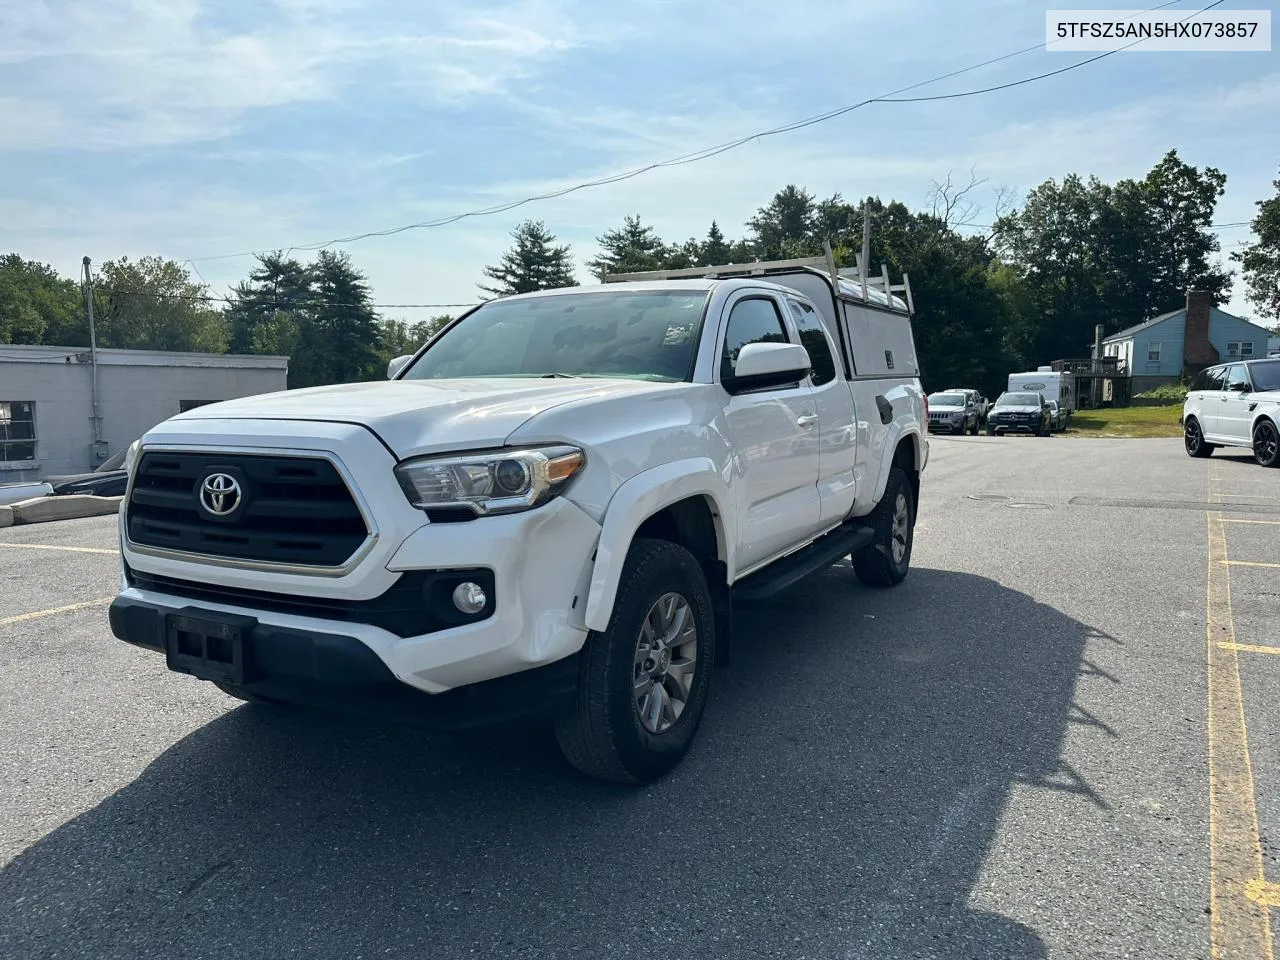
(1233, 348)
(1153, 353)
(17, 431)
(1246, 348)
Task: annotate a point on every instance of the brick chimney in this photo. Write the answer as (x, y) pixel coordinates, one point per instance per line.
(1197, 351)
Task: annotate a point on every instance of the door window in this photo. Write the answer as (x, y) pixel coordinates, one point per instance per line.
(1237, 379)
(754, 320)
(1215, 378)
(813, 338)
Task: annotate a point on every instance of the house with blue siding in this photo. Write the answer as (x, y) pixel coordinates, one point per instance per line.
(1162, 349)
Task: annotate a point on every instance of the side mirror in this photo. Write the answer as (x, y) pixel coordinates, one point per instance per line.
(763, 365)
(1239, 388)
(396, 365)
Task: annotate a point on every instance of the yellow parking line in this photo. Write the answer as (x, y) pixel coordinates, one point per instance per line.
(1248, 648)
(1269, 523)
(49, 546)
(1259, 891)
(1239, 926)
(5, 621)
(1251, 563)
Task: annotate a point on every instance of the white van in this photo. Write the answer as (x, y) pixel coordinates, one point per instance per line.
(1054, 386)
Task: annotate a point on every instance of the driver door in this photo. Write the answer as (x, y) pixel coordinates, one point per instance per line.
(773, 433)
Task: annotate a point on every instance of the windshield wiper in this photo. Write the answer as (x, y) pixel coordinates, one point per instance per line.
(558, 376)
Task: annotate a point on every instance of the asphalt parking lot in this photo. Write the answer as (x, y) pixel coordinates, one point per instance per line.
(1053, 740)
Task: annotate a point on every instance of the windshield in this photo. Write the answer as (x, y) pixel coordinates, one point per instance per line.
(946, 400)
(1265, 375)
(649, 335)
(1019, 400)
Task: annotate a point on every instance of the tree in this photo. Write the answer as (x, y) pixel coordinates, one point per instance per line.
(632, 248)
(1260, 261)
(396, 338)
(785, 226)
(38, 306)
(153, 304)
(714, 251)
(270, 308)
(535, 262)
(339, 345)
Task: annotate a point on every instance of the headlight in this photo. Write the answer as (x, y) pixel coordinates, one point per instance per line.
(130, 457)
(499, 481)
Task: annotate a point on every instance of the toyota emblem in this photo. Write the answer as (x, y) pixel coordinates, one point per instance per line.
(220, 494)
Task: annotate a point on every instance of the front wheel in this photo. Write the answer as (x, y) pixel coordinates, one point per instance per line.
(974, 431)
(644, 681)
(884, 562)
(1193, 439)
(1266, 444)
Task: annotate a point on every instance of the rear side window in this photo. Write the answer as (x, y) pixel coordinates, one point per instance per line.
(813, 337)
(751, 321)
(1215, 378)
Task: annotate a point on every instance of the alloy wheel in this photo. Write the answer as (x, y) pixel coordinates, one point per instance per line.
(901, 527)
(1266, 443)
(1192, 437)
(665, 660)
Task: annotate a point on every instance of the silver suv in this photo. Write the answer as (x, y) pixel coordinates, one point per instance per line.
(1235, 405)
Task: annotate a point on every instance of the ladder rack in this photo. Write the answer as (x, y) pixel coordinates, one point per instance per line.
(852, 277)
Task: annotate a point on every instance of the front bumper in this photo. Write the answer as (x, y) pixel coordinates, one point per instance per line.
(330, 670)
(1018, 426)
(950, 426)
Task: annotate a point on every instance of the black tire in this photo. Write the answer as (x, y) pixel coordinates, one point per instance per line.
(1266, 443)
(991, 431)
(242, 694)
(974, 431)
(1193, 440)
(604, 736)
(876, 564)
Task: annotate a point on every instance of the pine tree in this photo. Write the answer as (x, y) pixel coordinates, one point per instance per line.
(714, 251)
(631, 249)
(1260, 261)
(533, 263)
(345, 329)
(271, 307)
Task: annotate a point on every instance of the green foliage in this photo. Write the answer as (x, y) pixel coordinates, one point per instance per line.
(535, 262)
(1163, 395)
(397, 338)
(38, 306)
(153, 304)
(1260, 261)
(632, 248)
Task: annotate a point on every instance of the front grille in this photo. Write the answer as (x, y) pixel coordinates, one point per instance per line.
(418, 603)
(295, 510)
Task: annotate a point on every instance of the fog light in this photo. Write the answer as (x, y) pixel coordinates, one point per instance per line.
(469, 597)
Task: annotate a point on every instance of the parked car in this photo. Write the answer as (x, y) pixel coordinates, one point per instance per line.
(953, 412)
(1057, 415)
(978, 399)
(108, 479)
(546, 517)
(1020, 413)
(1235, 405)
(23, 490)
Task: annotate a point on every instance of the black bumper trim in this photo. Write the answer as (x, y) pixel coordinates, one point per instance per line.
(336, 672)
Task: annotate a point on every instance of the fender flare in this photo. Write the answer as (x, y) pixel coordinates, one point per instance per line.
(634, 502)
(896, 434)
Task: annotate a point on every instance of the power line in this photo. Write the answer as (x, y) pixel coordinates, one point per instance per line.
(709, 152)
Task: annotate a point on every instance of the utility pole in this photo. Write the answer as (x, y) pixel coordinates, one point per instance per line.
(95, 418)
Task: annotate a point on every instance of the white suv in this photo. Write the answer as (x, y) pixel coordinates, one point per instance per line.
(547, 513)
(1235, 405)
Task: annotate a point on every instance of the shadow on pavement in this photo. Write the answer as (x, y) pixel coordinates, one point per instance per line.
(842, 795)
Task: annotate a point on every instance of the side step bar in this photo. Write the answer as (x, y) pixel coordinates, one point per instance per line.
(793, 568)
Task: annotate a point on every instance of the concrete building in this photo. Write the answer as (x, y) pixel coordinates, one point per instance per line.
(46, 400)
(1192, 338)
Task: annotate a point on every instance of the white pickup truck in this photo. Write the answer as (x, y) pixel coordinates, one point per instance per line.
(547, 514)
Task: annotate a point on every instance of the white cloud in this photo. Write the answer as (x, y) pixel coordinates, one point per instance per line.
(144, 73)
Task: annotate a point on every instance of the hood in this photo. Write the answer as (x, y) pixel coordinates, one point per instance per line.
(1017, 408)
(425, 416)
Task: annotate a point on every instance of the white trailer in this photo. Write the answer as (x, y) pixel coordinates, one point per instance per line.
(1060, 386)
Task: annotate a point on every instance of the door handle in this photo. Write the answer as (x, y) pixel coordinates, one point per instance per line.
(808, 420)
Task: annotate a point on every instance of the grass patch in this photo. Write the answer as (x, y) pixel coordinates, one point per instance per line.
(1149, 421)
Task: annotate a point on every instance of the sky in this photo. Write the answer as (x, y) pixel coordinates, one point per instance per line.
(202, 130)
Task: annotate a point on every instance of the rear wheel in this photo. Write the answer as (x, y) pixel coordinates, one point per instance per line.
(643, 682)
(1266, 444)
(1193, 439)
(884, 562)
